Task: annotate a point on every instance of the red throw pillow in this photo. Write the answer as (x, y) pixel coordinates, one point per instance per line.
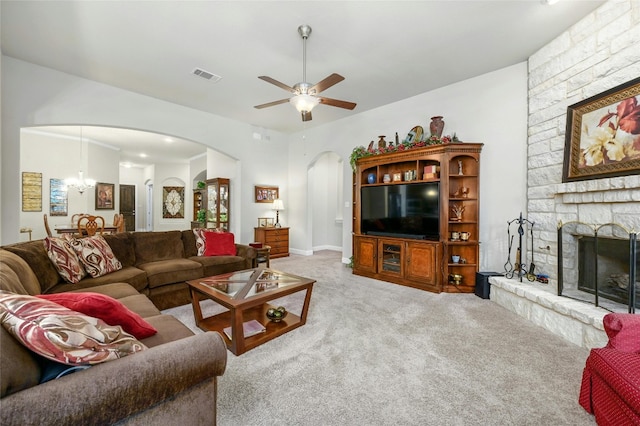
(106, 308)
(219, 244)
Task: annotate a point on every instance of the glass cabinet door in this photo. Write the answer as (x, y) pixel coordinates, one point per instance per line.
(218, 202)
(224, 206)
(391, 257)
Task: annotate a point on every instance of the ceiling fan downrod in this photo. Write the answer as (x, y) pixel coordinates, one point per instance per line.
(304, 31)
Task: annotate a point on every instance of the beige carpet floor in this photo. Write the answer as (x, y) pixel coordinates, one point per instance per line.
(375, 353)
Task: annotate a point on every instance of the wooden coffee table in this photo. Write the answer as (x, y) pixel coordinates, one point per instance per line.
(245, 294)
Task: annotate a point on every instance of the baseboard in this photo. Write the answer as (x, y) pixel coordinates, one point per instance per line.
(301, 252)
(326, 247)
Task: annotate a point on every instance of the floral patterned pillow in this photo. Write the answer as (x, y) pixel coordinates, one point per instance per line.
(96, 255)
(201, 241)
(199, 234)
(64, 258)
(62, 335)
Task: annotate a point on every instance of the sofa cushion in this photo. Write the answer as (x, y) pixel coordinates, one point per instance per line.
(189, 243)
(121, 244)
(131, 275)
(171, 271)
(96, 255)
(62, 335)
(155, 246)
(19, 367)
(16, 276)
(219, 244)
(216, 265)
(65, 259)
(169, 329)
(108, 309)
(34, 253)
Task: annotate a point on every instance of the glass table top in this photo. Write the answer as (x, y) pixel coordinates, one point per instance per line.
(245, 284)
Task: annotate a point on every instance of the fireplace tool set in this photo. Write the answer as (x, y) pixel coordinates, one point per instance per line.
(519, 268)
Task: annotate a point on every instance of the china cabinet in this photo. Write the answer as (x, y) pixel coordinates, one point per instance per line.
(198, 202)
(416, 217)
(218, 203)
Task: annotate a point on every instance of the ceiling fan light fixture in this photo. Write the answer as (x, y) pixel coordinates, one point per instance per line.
(304, 103)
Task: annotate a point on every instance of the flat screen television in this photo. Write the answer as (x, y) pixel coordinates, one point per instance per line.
(401, 210)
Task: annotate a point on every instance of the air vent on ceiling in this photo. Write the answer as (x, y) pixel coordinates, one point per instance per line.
(206, 75)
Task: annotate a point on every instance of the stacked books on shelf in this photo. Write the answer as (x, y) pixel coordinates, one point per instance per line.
(250, 328)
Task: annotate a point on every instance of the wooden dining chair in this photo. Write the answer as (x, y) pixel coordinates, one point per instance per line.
(121, 227)
(118, 222)
(90, 225)
(76, 217)
(46, 226)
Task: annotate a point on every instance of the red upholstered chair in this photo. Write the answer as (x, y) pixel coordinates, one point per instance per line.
(611, 379)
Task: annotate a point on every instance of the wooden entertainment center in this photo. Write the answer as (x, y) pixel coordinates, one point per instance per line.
(446, 261)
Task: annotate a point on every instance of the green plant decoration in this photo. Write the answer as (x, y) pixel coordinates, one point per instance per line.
(361, 152)
(202, 216)
(201, 184)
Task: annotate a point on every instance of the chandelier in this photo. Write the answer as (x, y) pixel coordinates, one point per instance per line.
(80, 183)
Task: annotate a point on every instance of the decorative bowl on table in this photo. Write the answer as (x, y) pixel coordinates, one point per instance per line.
(276, 314)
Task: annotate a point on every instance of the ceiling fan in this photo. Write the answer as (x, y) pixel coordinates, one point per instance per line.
(305, 95)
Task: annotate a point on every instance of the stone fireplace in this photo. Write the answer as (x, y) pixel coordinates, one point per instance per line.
(574, 315)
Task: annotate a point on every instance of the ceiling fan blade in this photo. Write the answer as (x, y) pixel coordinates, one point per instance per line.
(326, 83)
(336, 103)
(277, 83)
(281, 101)
(306, 115)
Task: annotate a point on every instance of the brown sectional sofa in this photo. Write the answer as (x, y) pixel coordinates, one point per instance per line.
(173, 382)
(156, 264)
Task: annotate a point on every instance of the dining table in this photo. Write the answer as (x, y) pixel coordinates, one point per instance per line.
(73, 229)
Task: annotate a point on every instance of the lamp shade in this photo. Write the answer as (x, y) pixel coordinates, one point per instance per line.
(304, 103)
(277, 204)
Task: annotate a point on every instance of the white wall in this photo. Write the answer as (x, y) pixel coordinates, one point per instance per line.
(325, 199)
(34, 95)
(491, 109)
(63, 160)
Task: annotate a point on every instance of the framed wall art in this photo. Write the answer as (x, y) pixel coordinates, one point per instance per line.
(173, 202)
(31, 192)
(58, 198)
(104, 196)
(266, 194)
(603, 135)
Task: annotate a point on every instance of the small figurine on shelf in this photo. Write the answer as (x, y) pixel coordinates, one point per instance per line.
(460, 167)
(462, 192)
(457, 209)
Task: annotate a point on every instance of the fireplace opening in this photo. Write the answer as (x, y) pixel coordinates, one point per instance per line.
(599, 264)
(608, 264)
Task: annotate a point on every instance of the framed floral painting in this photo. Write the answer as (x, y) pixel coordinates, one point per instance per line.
(603, 135)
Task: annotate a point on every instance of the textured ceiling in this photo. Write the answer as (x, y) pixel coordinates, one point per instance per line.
(386, 50)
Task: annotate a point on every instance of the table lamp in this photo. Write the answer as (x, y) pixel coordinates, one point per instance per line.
(277, 206)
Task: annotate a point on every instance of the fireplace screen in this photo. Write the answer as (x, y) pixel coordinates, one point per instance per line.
(598, 264)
